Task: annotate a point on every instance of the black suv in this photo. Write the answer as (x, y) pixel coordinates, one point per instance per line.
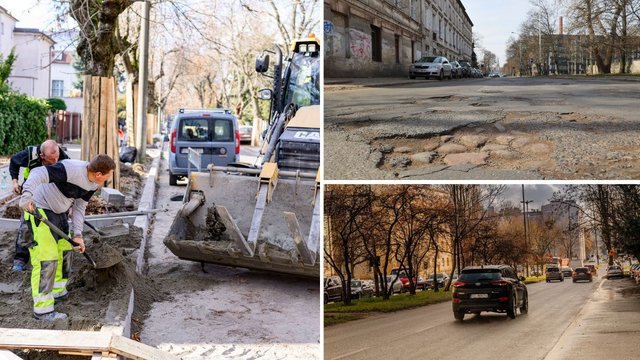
(495, 288)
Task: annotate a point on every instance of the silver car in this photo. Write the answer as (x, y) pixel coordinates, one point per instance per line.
(431, 66)
(614, 271)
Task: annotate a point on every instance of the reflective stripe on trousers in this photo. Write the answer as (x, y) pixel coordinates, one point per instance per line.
(50, 260)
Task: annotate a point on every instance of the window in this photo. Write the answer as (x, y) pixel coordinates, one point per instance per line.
(57, 88)
(397, 43)
(194, 130)
(222, 130)
(413, 51)
(376, 43)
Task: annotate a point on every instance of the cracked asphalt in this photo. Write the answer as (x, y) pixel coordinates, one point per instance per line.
(483, 129)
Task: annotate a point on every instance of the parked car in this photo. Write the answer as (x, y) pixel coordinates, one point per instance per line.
(397, 285)
(359, 289)
(213, 133)
(442, 278)
(614, 271)
(592, 269)
(467, 70)
(332, 289)
(418, 281)
(456, 70)
(553, 273)
(245, 133)
(495, 288)
(431, 66)
(582, 273)
(567, 271)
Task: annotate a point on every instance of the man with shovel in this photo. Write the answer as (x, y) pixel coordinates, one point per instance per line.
(50, 192)
(48, 153)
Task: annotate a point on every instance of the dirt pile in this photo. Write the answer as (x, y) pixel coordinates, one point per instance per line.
(12, 212)
(90, 290)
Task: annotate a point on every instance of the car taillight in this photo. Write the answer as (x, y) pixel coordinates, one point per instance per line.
(503, 298)
(173, 140)
(455, 300)
(237, 141)
(458, 284)
(500, 283)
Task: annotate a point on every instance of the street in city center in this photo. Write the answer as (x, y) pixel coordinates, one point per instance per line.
(492, 128)
(598, 320)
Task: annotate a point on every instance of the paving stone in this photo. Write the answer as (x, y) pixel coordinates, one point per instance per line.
(431, 146)
(386, 149)
(537, 148)
(451, 148)
(445, 138)
(479, 158)
(494, 147)
(473, 141)
(403, 149)
(504, 139)
(520, 142)
(504, 154)
(425, 157)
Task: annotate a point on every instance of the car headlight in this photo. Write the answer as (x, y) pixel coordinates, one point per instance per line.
(412, 67)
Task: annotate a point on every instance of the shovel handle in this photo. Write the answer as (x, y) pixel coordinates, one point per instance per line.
(92, 227)
(61, 233)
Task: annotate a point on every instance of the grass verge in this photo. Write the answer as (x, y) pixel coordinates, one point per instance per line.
(534, 279)
(337, 313)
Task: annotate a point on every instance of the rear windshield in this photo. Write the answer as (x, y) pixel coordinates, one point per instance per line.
(552, 269)
(582, 270)
(614, 268)
(197, 129)
(479, 275)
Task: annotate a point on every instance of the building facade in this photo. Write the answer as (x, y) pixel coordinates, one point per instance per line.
(383, 37)
(7, 24)
(32, 71)
(63, 77)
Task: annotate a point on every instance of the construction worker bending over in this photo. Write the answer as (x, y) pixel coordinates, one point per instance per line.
(52, 190)
(48, 153)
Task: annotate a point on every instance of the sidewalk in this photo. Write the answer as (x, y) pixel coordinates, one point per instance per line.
(608, 327)
(335, 84)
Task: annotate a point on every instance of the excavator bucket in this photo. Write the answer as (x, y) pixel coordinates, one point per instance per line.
(259, 219)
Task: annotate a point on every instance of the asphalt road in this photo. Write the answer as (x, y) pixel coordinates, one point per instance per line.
(431, 332)
(507, 128)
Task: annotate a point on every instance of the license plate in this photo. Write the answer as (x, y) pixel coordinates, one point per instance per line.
(479, 296)
(186, 150)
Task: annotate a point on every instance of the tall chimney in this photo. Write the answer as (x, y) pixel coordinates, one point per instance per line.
(561, 32)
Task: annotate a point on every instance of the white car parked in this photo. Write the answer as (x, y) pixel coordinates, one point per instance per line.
(431, 66)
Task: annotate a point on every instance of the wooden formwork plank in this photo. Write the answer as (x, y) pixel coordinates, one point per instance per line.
(64, 340)
(111, 133)
(95, 117)
(105, 99)
(85, 131)
(80, 342)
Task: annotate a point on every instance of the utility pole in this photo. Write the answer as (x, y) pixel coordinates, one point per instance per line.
(539, 43)
(525, 209)
(143, 81)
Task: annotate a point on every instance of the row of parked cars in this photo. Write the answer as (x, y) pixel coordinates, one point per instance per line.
(398, 281)
(439, 67)
(584, 273)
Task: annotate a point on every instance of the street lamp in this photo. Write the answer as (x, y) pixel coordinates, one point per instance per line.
(520, 49)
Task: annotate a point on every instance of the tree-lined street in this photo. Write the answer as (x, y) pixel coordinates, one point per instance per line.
(565, 321)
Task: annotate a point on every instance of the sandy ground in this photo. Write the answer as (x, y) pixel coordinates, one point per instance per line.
(221, 312)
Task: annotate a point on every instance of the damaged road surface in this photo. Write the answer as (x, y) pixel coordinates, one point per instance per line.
(507, 128)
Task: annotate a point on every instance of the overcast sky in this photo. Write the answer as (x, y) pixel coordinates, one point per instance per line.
(30, 13)
(539, 194)
(494, 20)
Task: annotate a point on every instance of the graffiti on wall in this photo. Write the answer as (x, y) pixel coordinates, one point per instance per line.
(360, 44)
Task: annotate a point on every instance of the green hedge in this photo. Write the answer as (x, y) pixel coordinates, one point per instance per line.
(22, 121)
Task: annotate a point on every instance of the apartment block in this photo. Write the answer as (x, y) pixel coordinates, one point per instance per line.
(383, 37)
